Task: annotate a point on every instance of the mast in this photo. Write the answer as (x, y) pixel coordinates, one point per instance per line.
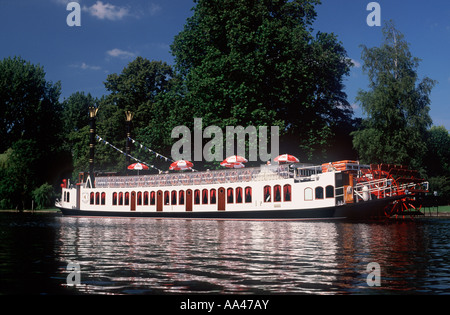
(129, 117)
(92, 115)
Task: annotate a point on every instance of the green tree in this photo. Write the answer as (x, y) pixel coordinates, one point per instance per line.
(148, 90)
(396, 105)
(258, 63)
(75, 120)
(437, 161)
(43, 196)
(27, 100)
(30, 131)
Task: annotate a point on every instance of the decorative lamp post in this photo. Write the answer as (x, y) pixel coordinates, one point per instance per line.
(92, 115)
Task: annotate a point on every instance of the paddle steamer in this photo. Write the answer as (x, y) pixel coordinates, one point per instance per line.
(335, 190)
(344, 189)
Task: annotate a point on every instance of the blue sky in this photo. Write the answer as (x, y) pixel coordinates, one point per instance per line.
(113, 33)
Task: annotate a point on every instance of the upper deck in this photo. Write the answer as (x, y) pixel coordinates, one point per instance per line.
(264, 172)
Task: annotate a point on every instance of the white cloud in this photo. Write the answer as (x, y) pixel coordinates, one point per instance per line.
(354, 106)
(85, 66)
(154, 9)
(119, 53)
(107, 11)
(356, 63)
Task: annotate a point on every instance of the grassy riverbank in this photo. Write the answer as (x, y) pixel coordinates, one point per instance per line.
(48, 210)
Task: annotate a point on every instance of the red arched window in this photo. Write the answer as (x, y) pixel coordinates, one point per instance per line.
(139, 198)
(230, 197)
(152, 198)
(97, 198)
(92, 198)
(267, 193)
(205, 196)
(248, 194)
(120, 198)
(197, 196)
(166, 198)
(174, 197)
(103, 198)
(239, 194)
(181, 197)
(287, 192)
(145, 198)
(212, 196)
(277, 193)
(114, 201)
(127, 198)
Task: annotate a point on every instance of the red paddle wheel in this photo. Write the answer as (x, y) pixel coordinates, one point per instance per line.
(388, 180)
(381, 184)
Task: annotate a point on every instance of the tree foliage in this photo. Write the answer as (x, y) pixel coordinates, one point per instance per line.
(396, 104)
(30, 130)
(258, 63)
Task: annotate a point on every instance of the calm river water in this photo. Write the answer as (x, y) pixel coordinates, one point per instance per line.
(151, 256)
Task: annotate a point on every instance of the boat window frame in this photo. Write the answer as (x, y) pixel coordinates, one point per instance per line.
(239, 192)
(230, 196)
(205, 194)
(213, 196)
(287, 188)
(152, 198)
(181, 197)
(320, 195)
(146, 198)
(267, 193)
(139, 198)
(127, 198)
(173, 197)
(275, 187)
(326, 191)
(197, 196)
(103, 198)
(166, 198)
(248, 200)
(310, 194)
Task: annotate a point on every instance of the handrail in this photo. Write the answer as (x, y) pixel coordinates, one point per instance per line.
(265, 172)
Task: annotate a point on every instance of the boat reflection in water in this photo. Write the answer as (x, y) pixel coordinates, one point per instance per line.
(151, 256)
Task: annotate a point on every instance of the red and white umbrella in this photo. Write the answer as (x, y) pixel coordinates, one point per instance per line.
(232, 165)
(181, 165)
(137, 166)
(235, 159)
(286, 158)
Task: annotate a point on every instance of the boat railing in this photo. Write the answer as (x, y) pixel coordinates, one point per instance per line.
(307, 172)
(265, 172)
(385, 187)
